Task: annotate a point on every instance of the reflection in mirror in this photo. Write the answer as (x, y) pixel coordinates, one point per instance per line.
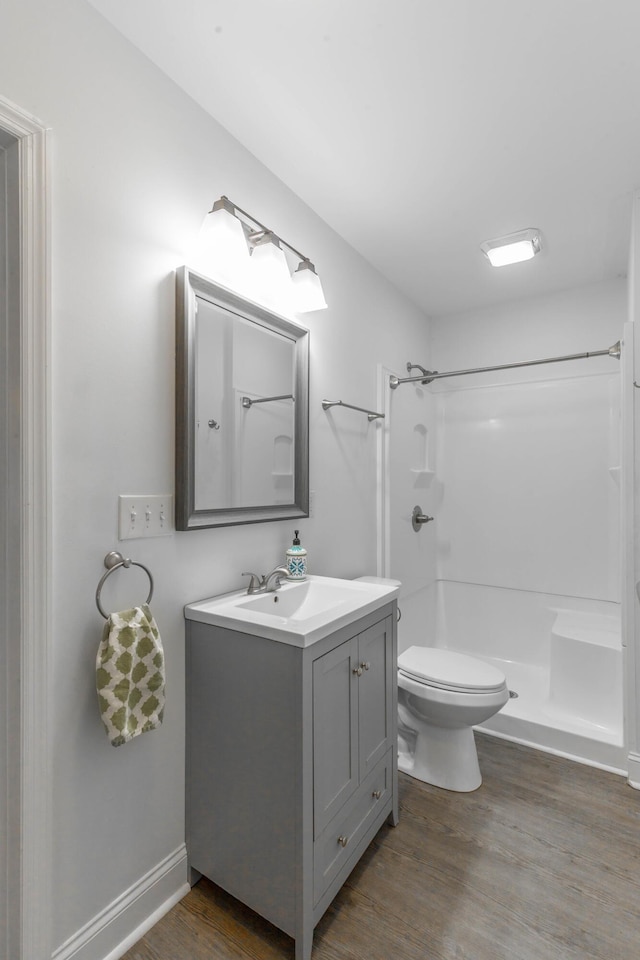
(241, 409)
(239, 364)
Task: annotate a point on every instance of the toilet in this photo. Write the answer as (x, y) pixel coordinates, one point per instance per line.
(442, 694)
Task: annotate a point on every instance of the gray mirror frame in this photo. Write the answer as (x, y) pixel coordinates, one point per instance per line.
(190, 285)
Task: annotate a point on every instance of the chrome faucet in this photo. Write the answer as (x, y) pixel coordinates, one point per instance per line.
(268, 583)
(273, 580)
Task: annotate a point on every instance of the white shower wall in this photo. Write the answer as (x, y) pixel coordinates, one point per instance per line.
(525, 491)
(529, 459)
(411, 464)
(529, 481)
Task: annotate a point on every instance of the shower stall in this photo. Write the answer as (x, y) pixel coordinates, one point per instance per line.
(519, 463)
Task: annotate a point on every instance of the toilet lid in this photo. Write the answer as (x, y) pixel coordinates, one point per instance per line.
(449, 670)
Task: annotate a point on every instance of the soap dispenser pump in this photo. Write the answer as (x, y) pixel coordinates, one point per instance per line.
(297, 560)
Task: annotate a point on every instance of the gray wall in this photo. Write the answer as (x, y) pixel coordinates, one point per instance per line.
(135, 166)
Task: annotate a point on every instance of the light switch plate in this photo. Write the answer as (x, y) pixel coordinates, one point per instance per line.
(145, 516)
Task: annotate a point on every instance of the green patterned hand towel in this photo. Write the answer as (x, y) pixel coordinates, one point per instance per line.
(130, 677)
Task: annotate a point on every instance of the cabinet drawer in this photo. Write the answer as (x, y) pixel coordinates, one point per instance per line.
(339, 840)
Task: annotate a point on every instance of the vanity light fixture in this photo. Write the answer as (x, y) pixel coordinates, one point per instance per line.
(222, 242)
(309, 294)
(229, 234)
(514, 248)
(269, 269)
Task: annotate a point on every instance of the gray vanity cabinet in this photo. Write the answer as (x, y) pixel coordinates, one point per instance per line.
(352, 716)
(291, 763)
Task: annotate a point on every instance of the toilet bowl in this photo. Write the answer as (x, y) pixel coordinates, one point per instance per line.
(441, 696)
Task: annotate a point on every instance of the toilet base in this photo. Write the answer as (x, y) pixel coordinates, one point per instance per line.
(445, 757)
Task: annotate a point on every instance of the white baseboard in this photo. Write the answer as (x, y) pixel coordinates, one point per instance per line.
(124, 921)
(634, 770)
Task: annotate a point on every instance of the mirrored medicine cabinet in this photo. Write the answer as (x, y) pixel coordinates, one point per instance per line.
(242, 409)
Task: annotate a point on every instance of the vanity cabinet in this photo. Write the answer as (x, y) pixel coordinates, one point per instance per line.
(291, 763)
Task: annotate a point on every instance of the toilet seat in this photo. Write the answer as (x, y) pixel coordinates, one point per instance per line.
(449, 670)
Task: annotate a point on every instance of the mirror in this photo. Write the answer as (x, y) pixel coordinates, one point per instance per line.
(242, 409)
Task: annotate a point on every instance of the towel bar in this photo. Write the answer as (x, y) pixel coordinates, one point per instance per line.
(112, 561)
(371, 415)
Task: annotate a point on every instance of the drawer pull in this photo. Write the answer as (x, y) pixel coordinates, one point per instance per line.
(343, 841)
(365, 666)
(357, 671)
(376, 794)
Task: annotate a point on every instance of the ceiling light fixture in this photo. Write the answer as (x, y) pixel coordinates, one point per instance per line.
(514, 248)
(227, 237)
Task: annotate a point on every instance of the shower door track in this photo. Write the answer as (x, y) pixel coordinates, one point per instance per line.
(427, 376)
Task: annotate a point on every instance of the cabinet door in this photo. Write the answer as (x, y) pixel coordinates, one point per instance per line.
(375, 694)
(335, 731)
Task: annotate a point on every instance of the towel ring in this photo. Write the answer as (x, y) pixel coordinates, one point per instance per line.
(112, 561)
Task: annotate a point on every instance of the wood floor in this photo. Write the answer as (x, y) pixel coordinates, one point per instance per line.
(541, 863)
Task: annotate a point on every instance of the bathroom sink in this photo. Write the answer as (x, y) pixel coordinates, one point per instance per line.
(298, 613)
(300, 601)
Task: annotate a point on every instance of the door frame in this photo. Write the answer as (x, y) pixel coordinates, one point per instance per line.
(28, 578)
(630, 475)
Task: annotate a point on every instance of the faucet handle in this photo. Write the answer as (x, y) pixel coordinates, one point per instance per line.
(255, 583)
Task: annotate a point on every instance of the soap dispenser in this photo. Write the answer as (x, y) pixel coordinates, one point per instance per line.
(296, 560)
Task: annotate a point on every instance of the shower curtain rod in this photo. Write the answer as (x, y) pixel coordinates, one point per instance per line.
(428, 375)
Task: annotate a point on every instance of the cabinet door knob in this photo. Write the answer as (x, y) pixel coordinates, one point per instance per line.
(365, 666)
(343, 841)
(357, 671)
(376, 794)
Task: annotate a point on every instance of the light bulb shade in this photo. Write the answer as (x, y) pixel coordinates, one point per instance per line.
(514, 248)
(222, 251)
(271, 279)
(308, 294)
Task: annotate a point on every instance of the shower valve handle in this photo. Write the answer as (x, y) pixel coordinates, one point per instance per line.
(418, 518)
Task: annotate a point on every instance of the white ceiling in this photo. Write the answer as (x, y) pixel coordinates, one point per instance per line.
(419, 128)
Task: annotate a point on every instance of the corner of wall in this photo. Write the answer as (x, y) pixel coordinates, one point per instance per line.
(124, 921)
(633, 778)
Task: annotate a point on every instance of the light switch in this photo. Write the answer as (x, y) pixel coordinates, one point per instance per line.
(145, 516)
